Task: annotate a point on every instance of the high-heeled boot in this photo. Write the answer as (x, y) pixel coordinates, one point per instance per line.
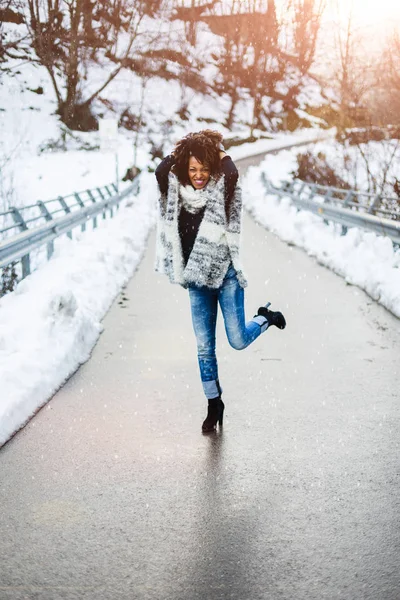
(215, 414)
(273, 317)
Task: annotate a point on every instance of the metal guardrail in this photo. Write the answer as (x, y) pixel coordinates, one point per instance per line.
(76, 212)
(350, 208)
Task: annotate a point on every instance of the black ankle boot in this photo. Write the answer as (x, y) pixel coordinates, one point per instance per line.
(273, 317)
(215, 414)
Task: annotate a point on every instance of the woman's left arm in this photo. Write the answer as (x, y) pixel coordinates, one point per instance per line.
(231, 174)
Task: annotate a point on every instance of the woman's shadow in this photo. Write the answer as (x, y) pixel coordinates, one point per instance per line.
(224, 530)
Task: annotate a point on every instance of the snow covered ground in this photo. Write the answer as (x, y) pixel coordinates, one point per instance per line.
(372, 166)
(364, 259)
(34, 166)
(280, 140)
(51, 322)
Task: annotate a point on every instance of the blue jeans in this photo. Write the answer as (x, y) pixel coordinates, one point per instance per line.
(204, 305)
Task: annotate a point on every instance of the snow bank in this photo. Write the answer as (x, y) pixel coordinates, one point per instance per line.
(279, 140)
(357, 165)
(363, 258)
(51, 322)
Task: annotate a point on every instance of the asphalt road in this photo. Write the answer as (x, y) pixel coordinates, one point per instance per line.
(112, 492)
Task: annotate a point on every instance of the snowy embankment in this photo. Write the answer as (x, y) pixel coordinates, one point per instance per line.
(364, 259)
(51, 322)
(281, 140)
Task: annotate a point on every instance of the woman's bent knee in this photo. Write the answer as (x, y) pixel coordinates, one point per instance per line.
(237, 344)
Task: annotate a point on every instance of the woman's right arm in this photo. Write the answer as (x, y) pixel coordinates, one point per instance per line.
(162, 173)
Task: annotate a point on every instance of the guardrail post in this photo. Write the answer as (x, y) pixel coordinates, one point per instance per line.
(18, 218)
(326, 198)
(67, 210)
(288, 187)
(47, 215)
(93, 199)
(301, 190)
(312, 191)
(374, 205)
(265, 181)
(102, 197)
(110, 194)
(82, 205)
(20, 222)
(116, 190)
(269, 188)
(349, 198)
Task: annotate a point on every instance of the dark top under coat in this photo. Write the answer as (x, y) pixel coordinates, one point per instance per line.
(188, 223)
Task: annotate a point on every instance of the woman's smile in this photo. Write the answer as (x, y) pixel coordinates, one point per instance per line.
(199, 174)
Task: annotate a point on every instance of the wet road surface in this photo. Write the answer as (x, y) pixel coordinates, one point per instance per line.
(111, 492)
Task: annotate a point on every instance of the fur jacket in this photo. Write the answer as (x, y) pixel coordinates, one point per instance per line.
(216, 244)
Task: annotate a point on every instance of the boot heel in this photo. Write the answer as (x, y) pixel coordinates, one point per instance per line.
(221, 414)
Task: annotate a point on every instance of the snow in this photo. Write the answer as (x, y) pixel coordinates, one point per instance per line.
(33, 166)
(360, 165)
(362, 258)
(30, 168)
(41, 178)
(51, 322)
(279, 141)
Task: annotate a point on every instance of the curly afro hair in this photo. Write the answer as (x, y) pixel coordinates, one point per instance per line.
(205, 146)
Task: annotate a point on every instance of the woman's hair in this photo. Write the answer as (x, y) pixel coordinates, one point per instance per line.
(205, 146)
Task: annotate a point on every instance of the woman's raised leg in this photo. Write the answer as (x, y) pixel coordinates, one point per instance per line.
(231, 298)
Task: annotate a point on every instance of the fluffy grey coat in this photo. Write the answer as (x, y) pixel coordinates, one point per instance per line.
(217, 242)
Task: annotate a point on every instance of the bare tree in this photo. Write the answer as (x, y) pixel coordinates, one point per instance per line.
(379, 165)
(190, 13)
(386, 100)
(263, 50)
(393, 61)
(353, 75)
(12, 41)
(306, 25)
(246, 60)
(67, 34)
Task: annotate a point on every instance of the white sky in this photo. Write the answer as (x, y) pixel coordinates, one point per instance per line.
(367, 12)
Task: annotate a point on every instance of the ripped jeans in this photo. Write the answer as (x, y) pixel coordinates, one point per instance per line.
(204, 306)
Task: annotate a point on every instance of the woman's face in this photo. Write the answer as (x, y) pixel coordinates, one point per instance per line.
(199, 174)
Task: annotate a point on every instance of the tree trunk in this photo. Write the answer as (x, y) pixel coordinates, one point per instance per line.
(231, 115)
(68, 113)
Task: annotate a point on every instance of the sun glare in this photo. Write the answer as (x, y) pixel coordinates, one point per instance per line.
(366, 12)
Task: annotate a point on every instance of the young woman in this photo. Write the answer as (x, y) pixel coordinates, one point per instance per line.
(198, 247)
